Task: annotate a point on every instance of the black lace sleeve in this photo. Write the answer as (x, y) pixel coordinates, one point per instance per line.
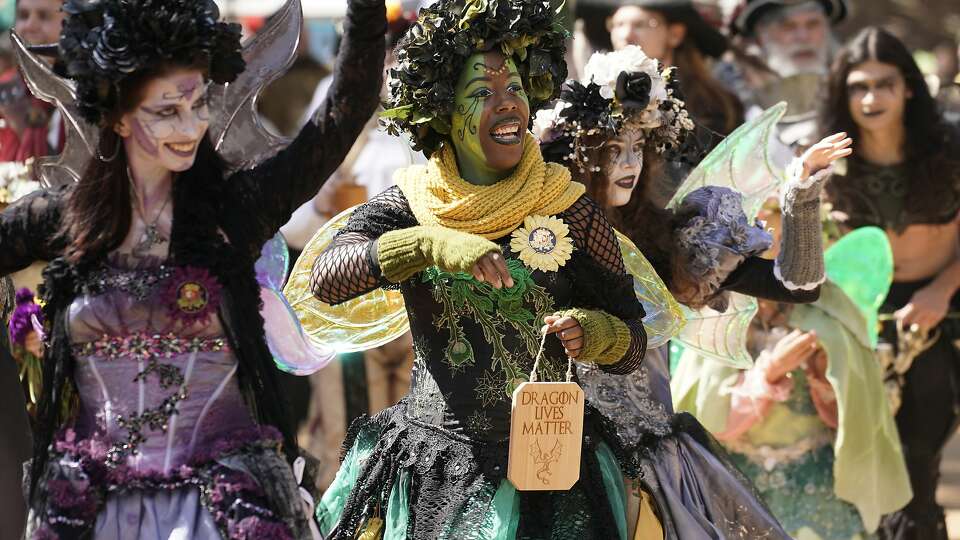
(349, 267)
(28, 230)
(601, 279)
(755, 277)
(274, 189)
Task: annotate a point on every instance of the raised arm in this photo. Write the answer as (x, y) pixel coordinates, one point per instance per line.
(274, 189)
(605, 305)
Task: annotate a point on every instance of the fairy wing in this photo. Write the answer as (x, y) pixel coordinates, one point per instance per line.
(82, 138)
(845, 261)
(663, 317)
(236, 130)
(745, 161)
(368, 321)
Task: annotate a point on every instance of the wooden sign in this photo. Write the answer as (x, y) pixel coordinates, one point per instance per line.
(546, 436)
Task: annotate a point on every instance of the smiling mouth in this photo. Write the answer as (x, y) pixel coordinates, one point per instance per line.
(627, 182)
(506, 132)
(871, 114)
(182, 149)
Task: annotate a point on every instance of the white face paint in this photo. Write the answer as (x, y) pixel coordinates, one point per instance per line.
(797, 41)
(622, 164)
(166, 128)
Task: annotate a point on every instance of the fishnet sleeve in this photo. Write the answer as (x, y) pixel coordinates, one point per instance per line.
(349, 267)
(29, 230)
(601, 278)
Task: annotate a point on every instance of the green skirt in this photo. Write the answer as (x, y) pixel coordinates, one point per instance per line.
(402, 479)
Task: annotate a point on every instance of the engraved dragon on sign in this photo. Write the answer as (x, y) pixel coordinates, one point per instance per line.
(544, 459)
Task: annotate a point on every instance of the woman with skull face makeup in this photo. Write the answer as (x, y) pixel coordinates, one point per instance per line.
(614, 131)
(487, 243)
(161, 414)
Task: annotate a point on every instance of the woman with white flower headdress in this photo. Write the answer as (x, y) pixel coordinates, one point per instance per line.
(628, 110)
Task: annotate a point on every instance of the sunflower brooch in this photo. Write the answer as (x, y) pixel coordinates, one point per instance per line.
(542, 243)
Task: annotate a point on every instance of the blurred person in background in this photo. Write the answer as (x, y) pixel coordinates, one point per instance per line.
(674, 32)
(31, 128)
(793, 40)
(904, 177)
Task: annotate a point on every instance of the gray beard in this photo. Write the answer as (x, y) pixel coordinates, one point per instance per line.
(781, 61)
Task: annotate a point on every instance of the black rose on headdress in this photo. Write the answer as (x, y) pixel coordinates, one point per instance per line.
(633, 90)
(105, 41)
(588, 107)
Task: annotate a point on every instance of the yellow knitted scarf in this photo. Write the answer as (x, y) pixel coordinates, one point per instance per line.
(439, 196)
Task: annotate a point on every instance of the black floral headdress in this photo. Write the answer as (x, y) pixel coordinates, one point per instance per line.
(105, 41)
(432, 54)
(621, 88)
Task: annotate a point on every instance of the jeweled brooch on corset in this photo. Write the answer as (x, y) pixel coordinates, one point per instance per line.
(542, 243)
(192, 295)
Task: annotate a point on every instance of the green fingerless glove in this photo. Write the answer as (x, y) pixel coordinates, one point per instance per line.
(605, 337)
(403, 253)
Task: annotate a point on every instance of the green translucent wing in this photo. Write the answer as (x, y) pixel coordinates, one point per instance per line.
(664, 316)
(861, 263)
(744, 161)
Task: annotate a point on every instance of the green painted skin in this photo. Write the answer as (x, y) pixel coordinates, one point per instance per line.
(470, 106)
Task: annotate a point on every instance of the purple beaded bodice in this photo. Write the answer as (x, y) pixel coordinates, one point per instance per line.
(156, 388)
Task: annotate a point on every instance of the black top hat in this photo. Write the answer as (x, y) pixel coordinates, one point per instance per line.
(707, 38)
(746, 23)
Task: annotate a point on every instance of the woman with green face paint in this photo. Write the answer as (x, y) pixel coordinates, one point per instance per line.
(491, 248)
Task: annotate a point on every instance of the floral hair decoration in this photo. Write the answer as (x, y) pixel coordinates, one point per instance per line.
(25, 318)
(620, 88)
(432, 54)
(105, 41)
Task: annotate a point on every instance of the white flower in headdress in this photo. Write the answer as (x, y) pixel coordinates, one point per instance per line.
(605, 68)
(546, 121)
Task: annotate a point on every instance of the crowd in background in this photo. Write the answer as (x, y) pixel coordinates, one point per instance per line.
(734, 59)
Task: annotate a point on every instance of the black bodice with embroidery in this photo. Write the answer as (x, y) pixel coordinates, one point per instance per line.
(866, 194)
(475, 344)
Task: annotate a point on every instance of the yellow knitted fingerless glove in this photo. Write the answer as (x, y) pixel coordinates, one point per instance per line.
(605, 337)
(405, 252)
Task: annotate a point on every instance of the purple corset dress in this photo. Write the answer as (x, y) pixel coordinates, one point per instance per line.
(163, 445)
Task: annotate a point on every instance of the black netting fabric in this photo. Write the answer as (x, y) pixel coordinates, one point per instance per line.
(348, 268)
(451, 482)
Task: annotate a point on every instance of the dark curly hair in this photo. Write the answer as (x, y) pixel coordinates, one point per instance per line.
(103, 42)
(432, 54)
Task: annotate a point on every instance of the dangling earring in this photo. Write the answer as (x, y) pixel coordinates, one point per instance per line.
(116, 152)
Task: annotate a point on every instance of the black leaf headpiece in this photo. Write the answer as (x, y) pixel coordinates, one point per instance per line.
(105, 41)
(432, 54)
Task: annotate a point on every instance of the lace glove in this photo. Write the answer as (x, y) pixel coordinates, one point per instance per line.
(799, 265)
(606, 338)
(405, 252)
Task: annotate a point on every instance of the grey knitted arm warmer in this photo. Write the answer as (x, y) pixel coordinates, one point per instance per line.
(799, 265)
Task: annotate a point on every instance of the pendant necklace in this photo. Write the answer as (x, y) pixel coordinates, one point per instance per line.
(151, 235)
